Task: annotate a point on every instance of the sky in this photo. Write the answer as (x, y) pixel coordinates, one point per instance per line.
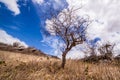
(24, 21)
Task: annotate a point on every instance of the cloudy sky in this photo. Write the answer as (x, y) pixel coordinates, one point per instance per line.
(24, 21)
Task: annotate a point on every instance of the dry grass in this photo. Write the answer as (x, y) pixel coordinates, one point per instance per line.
(27, 67)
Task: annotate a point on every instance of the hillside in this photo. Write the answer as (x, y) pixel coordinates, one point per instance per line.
(21, 49)
(17, 66)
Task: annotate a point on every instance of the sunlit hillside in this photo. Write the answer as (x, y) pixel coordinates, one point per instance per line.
(17, 66)
(59, 39)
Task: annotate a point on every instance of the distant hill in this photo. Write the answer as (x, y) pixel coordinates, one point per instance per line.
(21, 49)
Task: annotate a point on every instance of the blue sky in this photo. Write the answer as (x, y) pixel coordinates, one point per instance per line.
(25, 20)
(28, 25)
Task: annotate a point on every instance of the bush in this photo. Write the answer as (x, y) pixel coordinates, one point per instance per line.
(117, 60)
(2, 62)
(97, 58)
(91, 59)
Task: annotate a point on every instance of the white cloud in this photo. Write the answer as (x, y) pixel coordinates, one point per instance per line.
(106, 21)
(105, 16)
(8, 39)
(38, 1)
(58, 3)
(54, 43)
(12, 5)
(55, 4)
(77, 52)
(105, 11)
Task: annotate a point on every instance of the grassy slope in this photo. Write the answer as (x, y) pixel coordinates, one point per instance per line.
(28, 67)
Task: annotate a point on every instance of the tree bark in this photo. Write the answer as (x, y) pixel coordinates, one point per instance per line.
(64, 55)
(63, 60)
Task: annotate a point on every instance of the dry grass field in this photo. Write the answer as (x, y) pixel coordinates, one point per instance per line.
(16, 66)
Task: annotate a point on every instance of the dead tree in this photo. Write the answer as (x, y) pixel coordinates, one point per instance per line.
(69, 28)
(106, 50)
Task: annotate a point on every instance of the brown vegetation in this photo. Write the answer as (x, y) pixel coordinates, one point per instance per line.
(20, 49)
(29, 67)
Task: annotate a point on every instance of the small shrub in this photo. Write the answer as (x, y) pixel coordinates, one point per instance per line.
(2, 62)
(91, 59)
(117, 60)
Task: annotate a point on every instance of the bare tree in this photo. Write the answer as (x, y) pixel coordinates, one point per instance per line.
(107, 50)
(90, 50)
(70, 29)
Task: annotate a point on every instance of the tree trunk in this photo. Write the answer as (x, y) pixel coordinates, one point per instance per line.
(64, 56)
(63, 60)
